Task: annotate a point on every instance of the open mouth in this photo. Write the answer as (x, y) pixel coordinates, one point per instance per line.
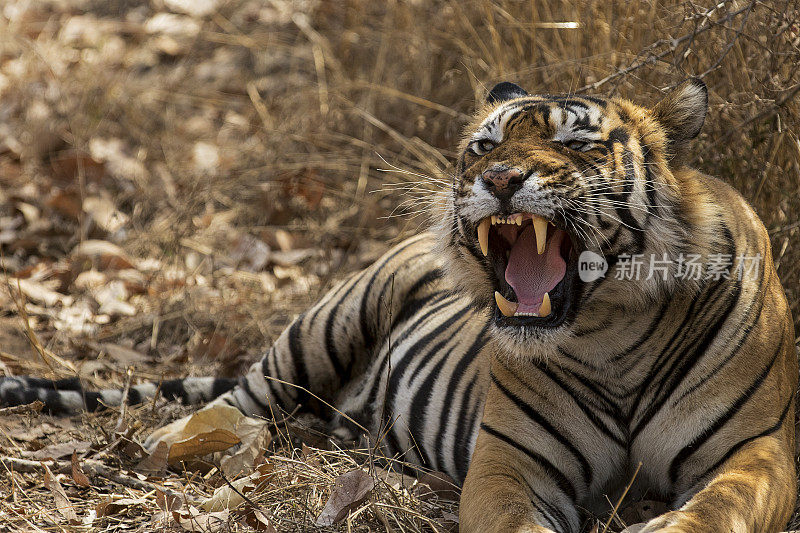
(534, 263)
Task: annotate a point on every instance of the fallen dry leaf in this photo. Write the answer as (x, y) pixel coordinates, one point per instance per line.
(167, 23)
(62, 503)
(437, 485)
(202, 444)
(78, 476)
(193, 520)
(59, 450)
(130, 448)
(230, 496)
(114, 505)
(168, 502)
(255, 437)
(34, 408)
(259, 521)
(212, 418)
(79, 319)
(305, 185)
(155, 464)
(349, 490)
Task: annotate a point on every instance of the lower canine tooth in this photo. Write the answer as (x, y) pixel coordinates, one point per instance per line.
(483, 235)
(506, 307)
(544, 310)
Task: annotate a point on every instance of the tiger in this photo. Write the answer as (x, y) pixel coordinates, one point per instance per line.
(512, 347)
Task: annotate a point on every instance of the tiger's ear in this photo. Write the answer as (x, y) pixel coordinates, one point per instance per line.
(683, 111)
(505, 91)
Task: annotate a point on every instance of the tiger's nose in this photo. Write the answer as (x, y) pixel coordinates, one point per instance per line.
(503, 181)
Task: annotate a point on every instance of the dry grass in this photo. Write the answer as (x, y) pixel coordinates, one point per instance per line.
(268, 119)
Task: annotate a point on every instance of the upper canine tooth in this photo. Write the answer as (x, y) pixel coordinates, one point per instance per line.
(519, 219)
(540, 227)
(506, 307)
(494, 219)
(483, 235)
(544, 309)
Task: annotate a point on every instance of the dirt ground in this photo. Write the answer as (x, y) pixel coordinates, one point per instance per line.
(179, 179)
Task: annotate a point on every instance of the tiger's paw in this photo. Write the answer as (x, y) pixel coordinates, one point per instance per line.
(665, 523)
(533, 529)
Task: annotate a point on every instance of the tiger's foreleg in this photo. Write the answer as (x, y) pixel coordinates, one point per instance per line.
(513, 484)
(754, 491)
(501, 496)
(525, 473)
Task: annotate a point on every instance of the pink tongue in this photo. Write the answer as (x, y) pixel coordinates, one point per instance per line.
(530, 274)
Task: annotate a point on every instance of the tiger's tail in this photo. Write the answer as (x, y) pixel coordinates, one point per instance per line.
(68, 396)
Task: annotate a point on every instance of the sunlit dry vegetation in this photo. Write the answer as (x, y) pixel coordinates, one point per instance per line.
(178, 179)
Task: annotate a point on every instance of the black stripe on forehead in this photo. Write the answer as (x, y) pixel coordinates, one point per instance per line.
(579, 107)
(543, 105)
(571, 99)
(565, 101)
(570, 103)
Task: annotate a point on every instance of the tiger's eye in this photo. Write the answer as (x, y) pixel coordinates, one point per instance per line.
(481, 147)
(578, 146)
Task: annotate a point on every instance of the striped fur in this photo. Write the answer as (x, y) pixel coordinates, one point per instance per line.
(695, 379)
